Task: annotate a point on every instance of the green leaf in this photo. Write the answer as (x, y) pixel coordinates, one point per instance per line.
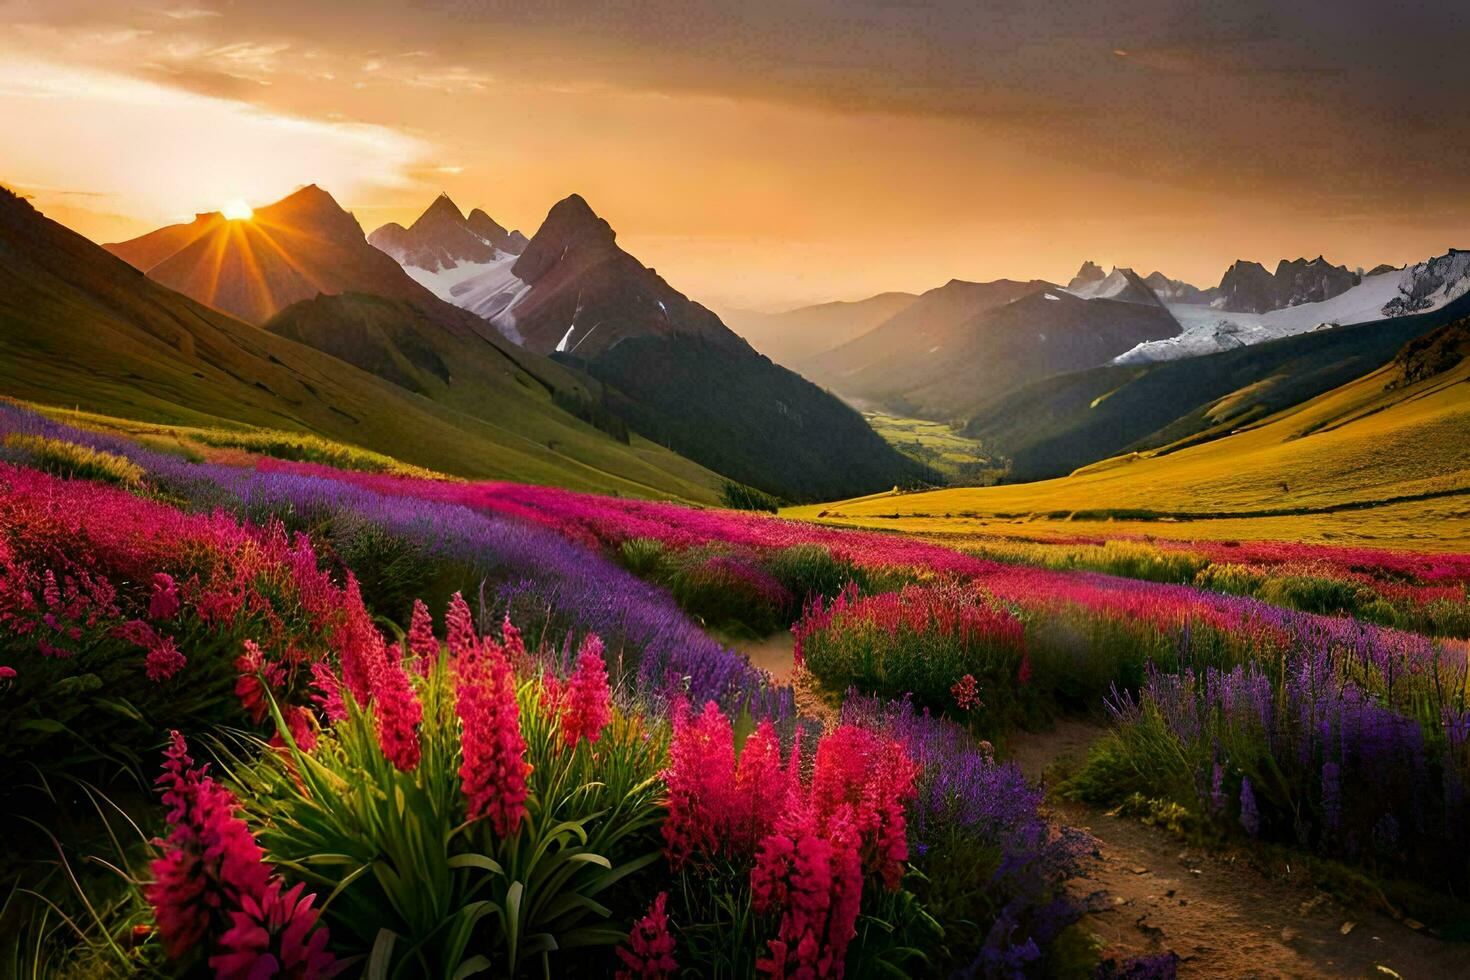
(480, 861)
(47, 725)
(471, 966)
(381, 956)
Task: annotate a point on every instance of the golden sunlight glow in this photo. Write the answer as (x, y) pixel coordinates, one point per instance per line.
(237, 210)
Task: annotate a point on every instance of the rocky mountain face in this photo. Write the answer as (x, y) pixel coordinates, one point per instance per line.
(794, 336)
(1248, 288)
(1121, 284)
(443, 238)
(1431, 284)
(1089, 273)
(1177, 290)
(297, 248)
(966, 342)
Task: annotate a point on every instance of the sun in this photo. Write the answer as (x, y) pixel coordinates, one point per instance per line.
(237, 210)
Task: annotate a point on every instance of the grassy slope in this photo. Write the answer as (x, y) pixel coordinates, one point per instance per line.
(935, 444)
(1052, 426)
(1339, 467)
(81, 328)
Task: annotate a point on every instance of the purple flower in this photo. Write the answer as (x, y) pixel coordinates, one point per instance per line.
(1250, 818)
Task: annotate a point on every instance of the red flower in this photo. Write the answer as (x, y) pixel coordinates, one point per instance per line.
(397, 710)
(274, 935)
(359, 645)
(164, 603)
(494, 768)
(588, 706)
(966, 692)
(164, 660)
(421, 638)
(7, 673)
(459, 624)
(764, 788)
(701, 783)
(329, 691)
(210, 861)
(649, 954)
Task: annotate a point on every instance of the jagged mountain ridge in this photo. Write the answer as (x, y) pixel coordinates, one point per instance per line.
(297, 248)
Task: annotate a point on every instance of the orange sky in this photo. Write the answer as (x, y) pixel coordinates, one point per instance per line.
(793, 152)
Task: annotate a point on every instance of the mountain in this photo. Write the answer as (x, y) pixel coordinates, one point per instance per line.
(444, 247)
(1123, 285)
(294, 249)
(1177, 290)
(671, 369)
(1054, 425)
(963, 343)
(1391, 447)
(80, 327)
(795, 335)
(1382, 293)
(1248, 288)
(1090, 273)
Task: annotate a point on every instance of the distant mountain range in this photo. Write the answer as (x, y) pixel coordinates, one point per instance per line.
(294, 249)
(794, 335)
(443, 247)
(79, 327)
(671, 369)
(964, 342)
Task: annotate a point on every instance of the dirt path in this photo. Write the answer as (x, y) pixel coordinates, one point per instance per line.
(1223, 917)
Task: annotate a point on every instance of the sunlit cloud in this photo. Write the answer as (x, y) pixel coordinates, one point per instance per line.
(169, 152)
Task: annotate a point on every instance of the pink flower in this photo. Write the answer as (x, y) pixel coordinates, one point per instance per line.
(649, 954)
(7, 673)
(210, 863)
(329, 691)
(764, 788)
(421, 638)
(257, 677)
(459, 624)
(164, 660)
(274, 935)
(588, 706)
(359, 645)
(494, 768)
(966, 692)
(164, 603)
(397, 710)
(701, 783)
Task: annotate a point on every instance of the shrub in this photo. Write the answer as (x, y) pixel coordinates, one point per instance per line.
(68, 459)
(737, 496)
(921, 641)
(438, 863)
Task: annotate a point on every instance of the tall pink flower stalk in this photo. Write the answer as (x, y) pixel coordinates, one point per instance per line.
(587, 702)
(649, 953)
(494, 768)
(213, 890)
(396, 709)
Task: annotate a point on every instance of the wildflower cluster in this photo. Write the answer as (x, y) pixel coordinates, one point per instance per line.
(213, 892)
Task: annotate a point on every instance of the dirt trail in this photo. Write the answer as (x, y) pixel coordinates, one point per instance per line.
(1223, 917)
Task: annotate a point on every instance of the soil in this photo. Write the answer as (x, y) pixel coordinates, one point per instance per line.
(1222, 915)
(774, 654)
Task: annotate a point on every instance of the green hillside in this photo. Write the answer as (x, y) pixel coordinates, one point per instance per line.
(1051, 427)
(81, 328)
(1383, 458)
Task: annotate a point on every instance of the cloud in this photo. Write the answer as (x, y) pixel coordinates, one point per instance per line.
(170, 151)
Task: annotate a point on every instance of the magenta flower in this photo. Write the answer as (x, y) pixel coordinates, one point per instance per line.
(274, 935)
(397, 710)
(649, 953)
(587, 708)
(494, 768)
(164, 603)
(421, 638)
(210, 863)
(164, 660)
(328, 694)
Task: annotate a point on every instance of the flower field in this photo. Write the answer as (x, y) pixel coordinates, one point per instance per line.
(334, 722)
